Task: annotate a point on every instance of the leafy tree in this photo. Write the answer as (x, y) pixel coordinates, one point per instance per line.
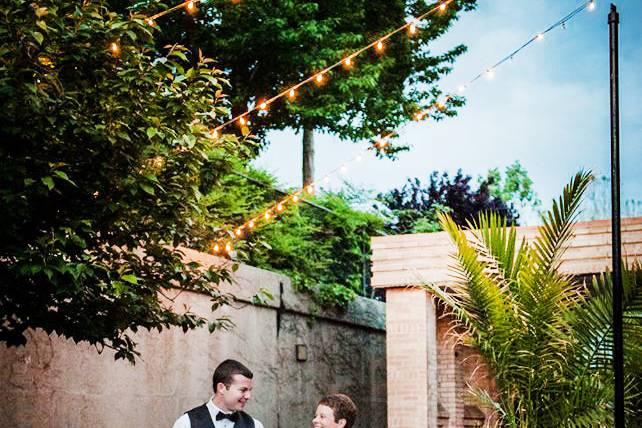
(546, 337)
(323, 245)
(514, 187)
(266, 46)
(105, 156)
(415, 206)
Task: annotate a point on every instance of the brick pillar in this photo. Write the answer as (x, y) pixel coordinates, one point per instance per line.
(449, 372)
(411, 348)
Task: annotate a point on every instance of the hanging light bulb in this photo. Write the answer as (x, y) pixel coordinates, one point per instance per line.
(267, 215)
(216, 248)
(319, 78)
(379, 46)
(412, 29)
(295, 198)
(591, 5)
(279, 207)
(540, 36)
(292, 94)
(310, 189)
(326, 179)
(150, 22)
(343, 169)
(419, 115)
(263, 106)
(442, 7)
(490, 73)
(251, 224)
(347, 63)
(238, 232)
(115, 49)
(213, 134)
(228, 247)
(190, 7)
(242, 121)
(462, 88)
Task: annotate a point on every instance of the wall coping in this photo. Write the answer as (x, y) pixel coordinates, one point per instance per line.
(402, 260)
(248, 281)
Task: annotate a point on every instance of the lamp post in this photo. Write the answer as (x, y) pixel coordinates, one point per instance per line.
(616, 235)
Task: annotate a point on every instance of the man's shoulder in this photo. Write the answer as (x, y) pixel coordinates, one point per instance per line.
(257, 423)
(182, 422)
(185, 421)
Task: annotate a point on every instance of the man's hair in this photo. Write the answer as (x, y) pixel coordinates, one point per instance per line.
(342, 406)
(228, 368)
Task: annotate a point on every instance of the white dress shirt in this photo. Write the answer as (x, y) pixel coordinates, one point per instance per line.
(183, 421)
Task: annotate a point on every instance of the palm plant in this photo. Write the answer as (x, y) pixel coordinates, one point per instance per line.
(545, 336)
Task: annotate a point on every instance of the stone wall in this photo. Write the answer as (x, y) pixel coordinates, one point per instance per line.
(53, 382)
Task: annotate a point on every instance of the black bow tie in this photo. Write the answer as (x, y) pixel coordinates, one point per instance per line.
(231, 416)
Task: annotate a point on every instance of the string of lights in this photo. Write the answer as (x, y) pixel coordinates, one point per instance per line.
(489, 72)
(189, 6)
(243, 119)
(226, 244)
(346, 62)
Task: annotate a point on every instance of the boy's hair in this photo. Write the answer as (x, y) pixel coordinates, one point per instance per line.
(342, 406)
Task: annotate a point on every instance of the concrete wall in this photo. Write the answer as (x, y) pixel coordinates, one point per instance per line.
(53, 382)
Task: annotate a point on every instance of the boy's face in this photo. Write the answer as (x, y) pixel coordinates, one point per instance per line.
(324, 418)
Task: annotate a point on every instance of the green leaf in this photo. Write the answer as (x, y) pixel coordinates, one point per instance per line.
(120, 288)
(179, 54)
(151, 132)
(63, 175)
(147, 188)
(38, 36)
(130, 278)
(48, 181)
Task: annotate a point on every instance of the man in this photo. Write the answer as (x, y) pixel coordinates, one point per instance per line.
(335, 411)
(232, 383)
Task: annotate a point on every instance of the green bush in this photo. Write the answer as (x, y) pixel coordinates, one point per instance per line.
(325, 249)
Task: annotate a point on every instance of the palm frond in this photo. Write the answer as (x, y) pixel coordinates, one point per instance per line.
(544, 336)
(497, 241)
(596, 343)
(483, 298)
(557, 224)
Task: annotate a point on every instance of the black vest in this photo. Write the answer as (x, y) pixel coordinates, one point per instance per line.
(199, 417)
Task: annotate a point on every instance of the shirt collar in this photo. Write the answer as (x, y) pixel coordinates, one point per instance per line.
(214, 409)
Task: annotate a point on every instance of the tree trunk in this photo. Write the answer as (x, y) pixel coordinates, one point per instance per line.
(308, 155)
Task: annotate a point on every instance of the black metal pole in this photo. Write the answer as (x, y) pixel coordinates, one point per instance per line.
(616, 235)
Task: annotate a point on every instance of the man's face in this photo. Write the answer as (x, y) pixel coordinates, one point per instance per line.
(324, 418)
(236, 394)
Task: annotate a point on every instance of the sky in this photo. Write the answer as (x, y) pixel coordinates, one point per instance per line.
(548, 108)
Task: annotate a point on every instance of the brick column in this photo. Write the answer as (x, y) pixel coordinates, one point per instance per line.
(449, 372)
(411, 348)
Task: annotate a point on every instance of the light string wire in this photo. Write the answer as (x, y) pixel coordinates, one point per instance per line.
(346, 61)
(189, 5)
(242, 231)
(590, 5)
